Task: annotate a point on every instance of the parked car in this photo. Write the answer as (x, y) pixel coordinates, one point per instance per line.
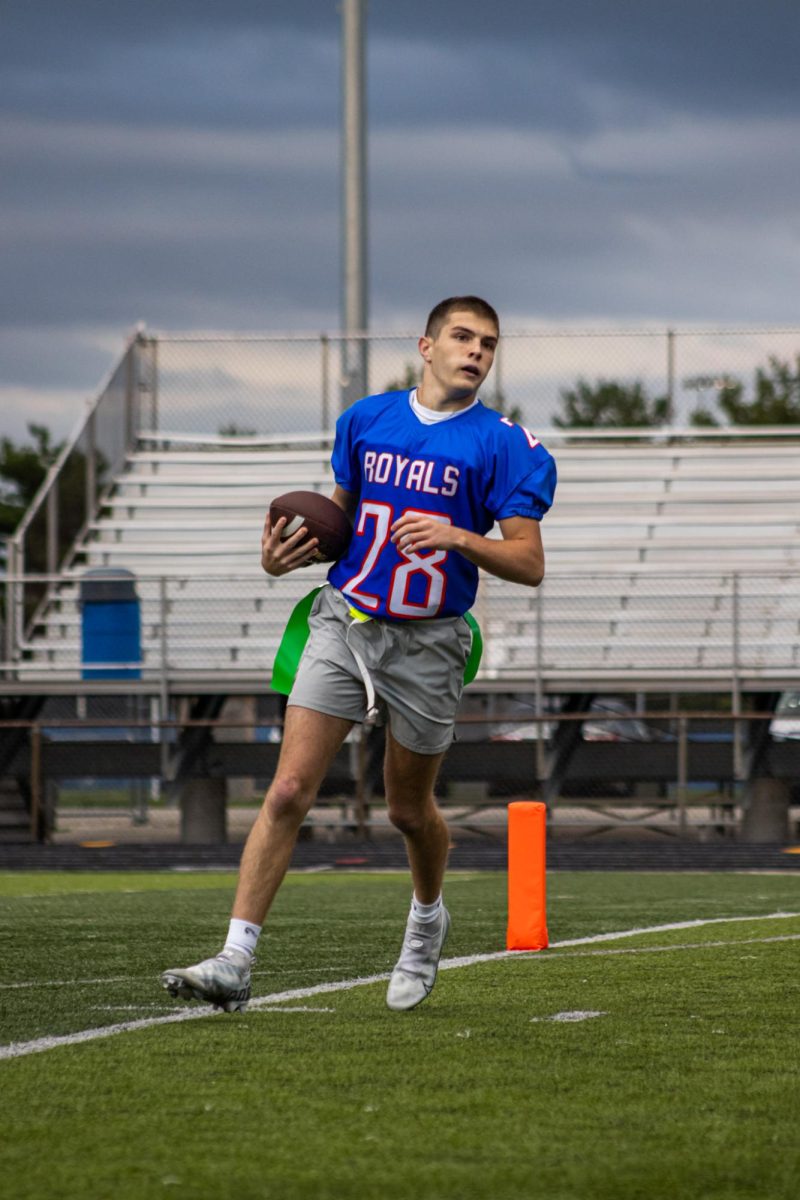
(786, 722)
(623, 725)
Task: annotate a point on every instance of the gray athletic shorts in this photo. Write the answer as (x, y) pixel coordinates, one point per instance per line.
(416, 669)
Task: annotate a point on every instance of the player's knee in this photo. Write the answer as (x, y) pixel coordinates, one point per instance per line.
(288, 799)
(409, 820)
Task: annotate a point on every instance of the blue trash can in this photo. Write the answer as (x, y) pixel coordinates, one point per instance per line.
(111, 625)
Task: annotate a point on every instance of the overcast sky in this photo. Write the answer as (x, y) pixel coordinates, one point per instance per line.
(177, 162)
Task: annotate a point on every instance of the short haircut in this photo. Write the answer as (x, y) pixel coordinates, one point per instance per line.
(444, 308)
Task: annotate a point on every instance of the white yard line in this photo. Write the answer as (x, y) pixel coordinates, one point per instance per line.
(787, 937)
(468, 960)
(580, 1015)
(22, 1049)
(42, 983)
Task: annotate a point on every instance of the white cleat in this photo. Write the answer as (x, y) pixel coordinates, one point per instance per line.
(223, 981)
(415, 971)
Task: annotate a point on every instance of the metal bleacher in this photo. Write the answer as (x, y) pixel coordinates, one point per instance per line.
(675, 562)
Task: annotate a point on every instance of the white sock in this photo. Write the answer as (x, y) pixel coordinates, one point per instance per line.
(425, 912)
(242, 935)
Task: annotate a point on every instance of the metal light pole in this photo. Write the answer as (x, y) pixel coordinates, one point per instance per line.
(354, 204)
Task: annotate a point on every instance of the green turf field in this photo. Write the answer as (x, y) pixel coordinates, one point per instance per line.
(662, 1064)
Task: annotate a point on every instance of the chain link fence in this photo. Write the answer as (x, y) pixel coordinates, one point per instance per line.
(299, 383)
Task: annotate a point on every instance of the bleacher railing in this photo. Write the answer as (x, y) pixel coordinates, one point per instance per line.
(71, 493)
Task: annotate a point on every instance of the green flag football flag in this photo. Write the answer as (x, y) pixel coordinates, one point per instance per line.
(295, 636)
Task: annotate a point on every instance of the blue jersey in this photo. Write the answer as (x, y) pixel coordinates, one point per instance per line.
(470, 471)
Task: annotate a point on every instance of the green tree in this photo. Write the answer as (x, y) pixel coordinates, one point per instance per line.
(775, 399)
(234, 430)
(22, 470)
(408, 379)
(499, 403)
(609, 405)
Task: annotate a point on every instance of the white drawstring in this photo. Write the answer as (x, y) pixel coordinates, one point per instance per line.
(372, 708)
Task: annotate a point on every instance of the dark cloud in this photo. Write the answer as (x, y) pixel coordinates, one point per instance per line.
(241, 81)
(179, 163)
(539, 64)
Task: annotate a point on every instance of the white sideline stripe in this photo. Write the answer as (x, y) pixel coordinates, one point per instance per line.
(21, 1049)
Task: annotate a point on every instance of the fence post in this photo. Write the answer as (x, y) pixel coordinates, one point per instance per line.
(163, 676)
(52, 516)
(8, 624)
(130, 392)
(671, 375)
(541, 766)
(498, 378)
(11, 601)
(154, 417)
(683, 772)
(736, 684)
(325, 355)
(91, 465)
(17, 615)
(354, 375)
(36, 782)
(361, 806)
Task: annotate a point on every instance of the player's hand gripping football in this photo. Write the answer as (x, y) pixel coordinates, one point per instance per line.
(279, 557)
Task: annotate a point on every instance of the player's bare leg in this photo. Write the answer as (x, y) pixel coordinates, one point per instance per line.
(409, 781)
(311, 741)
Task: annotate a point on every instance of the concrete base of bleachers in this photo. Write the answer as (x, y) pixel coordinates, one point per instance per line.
(766, 818)
(203, 811)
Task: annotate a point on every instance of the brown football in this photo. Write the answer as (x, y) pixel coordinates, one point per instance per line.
(322, 518)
